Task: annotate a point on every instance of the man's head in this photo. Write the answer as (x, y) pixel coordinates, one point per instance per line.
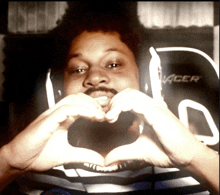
(100, 65)
(95, 17)
(95, 41)
(100, 50)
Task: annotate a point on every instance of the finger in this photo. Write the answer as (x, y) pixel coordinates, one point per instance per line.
(68, 111)
(47, 126)
(122, 102)
(177, 140)
(57, 151)
(79, 99)
(121, 95)
(112, 115)
(39, 133)
(132, 100)
(122, 153)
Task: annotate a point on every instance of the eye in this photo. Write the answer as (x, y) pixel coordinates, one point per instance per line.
(113, 65)
(77, 71)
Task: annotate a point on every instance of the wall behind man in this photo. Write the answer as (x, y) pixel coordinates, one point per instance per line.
(3, 31)
(167, 18)
(3, 105)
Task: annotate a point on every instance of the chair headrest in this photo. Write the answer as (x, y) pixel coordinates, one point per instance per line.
(190, 81)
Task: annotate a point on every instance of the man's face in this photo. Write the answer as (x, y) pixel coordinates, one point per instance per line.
(100, 65)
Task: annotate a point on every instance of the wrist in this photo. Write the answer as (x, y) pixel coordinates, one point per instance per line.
(204, 156)
(6, 167)
(205, 168)
(7, 172)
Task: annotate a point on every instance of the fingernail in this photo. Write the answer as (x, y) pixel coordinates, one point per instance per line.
(100, 115)
(110, 115)
(113, 120)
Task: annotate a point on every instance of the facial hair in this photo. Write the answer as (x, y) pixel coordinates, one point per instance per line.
(105, 89)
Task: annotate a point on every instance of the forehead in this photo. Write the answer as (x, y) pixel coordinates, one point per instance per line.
(94, 42)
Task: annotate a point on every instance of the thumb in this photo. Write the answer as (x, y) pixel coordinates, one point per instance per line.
(122, 153)
(83, 155)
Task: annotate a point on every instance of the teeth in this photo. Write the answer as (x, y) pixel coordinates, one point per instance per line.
(101, 98)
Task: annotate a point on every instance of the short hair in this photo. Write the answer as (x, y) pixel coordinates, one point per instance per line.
(93, 17)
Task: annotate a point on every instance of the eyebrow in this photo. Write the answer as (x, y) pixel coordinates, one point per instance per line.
(111, 49)
(75, 55)
(115, 49)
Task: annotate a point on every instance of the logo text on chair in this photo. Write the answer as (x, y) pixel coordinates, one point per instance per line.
(181, 78)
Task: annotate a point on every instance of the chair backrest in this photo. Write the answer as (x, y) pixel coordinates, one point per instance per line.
(187, 79)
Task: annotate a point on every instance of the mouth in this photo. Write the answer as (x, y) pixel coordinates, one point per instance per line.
(103, 98)
(103, 101)
(102, 95)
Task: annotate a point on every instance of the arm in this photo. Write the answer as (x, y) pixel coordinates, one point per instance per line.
(7, 173)
(205, 168)
(165, 141)
(36, 148)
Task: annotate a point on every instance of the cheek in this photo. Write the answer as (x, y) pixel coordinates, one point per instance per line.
(127, 81)
(134, 82)
(133, 78)
(71, 87)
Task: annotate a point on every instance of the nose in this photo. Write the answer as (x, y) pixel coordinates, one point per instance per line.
(96, 77)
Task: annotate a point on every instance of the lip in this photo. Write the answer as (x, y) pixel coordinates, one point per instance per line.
(103, 98)
(103, 101)
(98, 94)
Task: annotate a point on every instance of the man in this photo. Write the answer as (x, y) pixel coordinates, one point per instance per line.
(101, 84)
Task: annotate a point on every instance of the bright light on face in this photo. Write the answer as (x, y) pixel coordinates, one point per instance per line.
(98, 59)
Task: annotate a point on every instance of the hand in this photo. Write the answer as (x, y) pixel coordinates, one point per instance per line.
(164, 142)
(43, 144)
